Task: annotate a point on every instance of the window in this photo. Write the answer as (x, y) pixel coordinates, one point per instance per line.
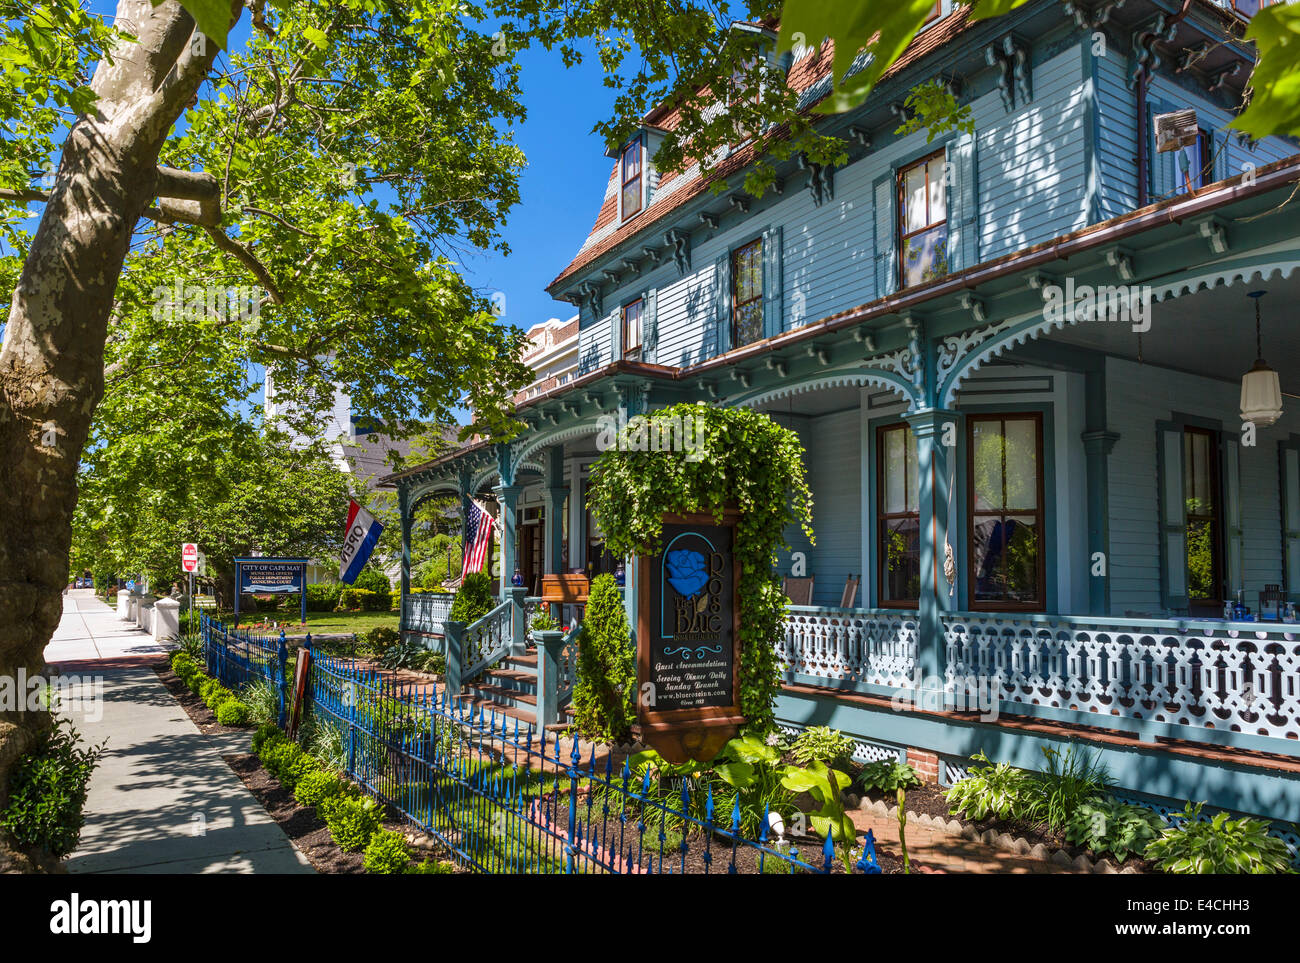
(1195, 161)
(1005, 498)
(631, 339)
(630, 167)
(747, 294)
(923, 221)
(936, 13)
(898, 519)
(1201, 497)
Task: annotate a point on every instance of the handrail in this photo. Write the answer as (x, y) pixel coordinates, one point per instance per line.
(497, 621)
(568, 666)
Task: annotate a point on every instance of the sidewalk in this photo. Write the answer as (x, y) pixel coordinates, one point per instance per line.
(90, 631)
(162, 799)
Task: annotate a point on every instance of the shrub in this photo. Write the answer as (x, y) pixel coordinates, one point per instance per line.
(380, 639)
(1107, 825)
(352, 821)
(823, 744)
(429, 867)
(263, 702)
(1221, 845)
(999, 791)
(1072, 778)
(543, 621)
(47, 791)
(232, 712)
(605, 685)
(888, 776)
(366, 600)
(323, 596)
(474, 599)
(316, 786)
(266, 732)
(326, 742)
(387, 853)
(373, 579)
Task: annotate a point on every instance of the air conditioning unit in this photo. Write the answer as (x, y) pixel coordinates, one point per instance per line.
(1175, 129)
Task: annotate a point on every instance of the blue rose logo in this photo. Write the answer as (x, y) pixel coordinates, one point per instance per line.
(687, 572)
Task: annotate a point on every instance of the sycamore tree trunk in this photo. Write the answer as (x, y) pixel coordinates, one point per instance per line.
(52, 362)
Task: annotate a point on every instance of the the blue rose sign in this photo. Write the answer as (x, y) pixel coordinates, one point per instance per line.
(688, 572)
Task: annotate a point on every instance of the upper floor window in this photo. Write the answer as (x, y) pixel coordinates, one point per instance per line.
(923, 221)
(1005, 496)
(747, 294)
(898, 518)
(1195, 161)
(936, 13)
(630, 174)
(631, 339)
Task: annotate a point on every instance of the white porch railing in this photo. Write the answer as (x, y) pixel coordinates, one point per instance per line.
(849, 648)
(426, 611)
(487, 640)
(1234, 676)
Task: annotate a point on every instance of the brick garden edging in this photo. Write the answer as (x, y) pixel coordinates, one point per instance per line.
(1018, 846)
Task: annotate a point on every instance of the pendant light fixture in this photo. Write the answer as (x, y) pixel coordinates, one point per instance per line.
(1261, 392)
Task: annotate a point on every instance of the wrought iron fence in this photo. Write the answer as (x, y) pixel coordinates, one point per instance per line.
(504, 800)
(238, 659)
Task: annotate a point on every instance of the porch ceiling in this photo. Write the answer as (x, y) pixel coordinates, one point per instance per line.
(1210, 333)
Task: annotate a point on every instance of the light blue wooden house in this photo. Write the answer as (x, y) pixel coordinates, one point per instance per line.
(1015, 358)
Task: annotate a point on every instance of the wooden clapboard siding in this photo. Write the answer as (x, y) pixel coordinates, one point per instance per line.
(1138, 397)
(1116, 143)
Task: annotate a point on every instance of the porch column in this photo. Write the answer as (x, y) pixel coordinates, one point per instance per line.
(403, 508)
(1098, 445)
(553, 499)
(938, 433)
(508, 499)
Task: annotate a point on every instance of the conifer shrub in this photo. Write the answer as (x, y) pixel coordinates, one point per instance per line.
(605, 687)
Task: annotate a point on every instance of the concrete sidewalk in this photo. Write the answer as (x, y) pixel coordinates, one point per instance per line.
(90, 631)
(162, 799)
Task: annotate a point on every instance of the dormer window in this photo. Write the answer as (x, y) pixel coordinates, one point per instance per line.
(630, 176)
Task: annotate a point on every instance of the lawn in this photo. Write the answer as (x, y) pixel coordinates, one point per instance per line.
(319, 622)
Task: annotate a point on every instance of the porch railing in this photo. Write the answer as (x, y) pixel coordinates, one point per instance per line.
(487, 641)
(848, 648)
(425, 612)
(1226, 676)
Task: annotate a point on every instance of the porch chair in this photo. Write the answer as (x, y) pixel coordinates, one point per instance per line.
(798, 590)
(850, 591)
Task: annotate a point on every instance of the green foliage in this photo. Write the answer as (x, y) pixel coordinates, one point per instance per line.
(316, 786)
(232, 712)
(266, 733)
(543, 621)
(352, 822)
(474, 598)
(326, 742)
(286, 760)
(1072, 778)
(1106, 825)
(744, 460)
(888, 776)
(379, 640)
(826, 786)
(263, 702)
(995, 791)
(373, 580)
(323, 596)
(363, 600)
(387, 853)
(823, 744)
(430, 867)
(47, 791)
(1220, 845)
(412, 655)
(604, 687)
(936, 111)
(1274, 99)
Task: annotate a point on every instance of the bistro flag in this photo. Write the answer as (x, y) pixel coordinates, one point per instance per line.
(359, 538)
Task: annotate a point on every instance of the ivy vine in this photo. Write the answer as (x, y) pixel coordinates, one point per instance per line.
(740, 459)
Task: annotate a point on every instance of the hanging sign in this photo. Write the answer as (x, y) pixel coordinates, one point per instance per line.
(688, 639)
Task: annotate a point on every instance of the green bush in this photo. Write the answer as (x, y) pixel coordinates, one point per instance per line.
(352, 821)
(1072, 778)
(387, 853)
(474, 599)
(286, 761)
(326, 742)
(353, 599)
(316, 786)
(604, 689)
(373, 579)
(263, 702)
(232, 712)
(1221, 845)
(379, 640)
(47, 791)
(823, 744)
(323, 596)
(429, 867)
(998, 791)
(888, 776)
(266, 733)
(1107, 825)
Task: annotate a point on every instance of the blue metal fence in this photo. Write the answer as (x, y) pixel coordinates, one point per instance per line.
(237, 658)
(503, 799)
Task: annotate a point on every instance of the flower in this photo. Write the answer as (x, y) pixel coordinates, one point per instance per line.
(687, 572)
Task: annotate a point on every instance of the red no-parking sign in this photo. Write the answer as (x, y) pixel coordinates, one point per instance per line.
(190, 557)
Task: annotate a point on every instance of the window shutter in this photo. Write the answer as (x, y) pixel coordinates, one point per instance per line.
(616, 335)
(1290, 457)
(722, 302)
(1232, 533)
(1220, 166)
(772, 290)
(963, 205)
(886, 247)
(649, 325)
(1173, 519)
(1163, 177)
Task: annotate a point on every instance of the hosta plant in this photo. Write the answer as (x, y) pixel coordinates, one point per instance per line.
(1107, 825)
(1219, 845)
(887, 776)
(823, 744)
(996, 791)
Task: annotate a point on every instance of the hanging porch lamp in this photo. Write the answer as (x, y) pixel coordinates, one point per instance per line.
(1261, 391)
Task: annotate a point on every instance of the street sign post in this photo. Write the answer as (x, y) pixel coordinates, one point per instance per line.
(190, 565)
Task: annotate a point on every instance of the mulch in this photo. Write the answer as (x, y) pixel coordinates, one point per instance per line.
(932, 801)
(194, 707)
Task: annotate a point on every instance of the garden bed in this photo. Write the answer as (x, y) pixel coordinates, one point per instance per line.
(1027, 839)
(202, 717)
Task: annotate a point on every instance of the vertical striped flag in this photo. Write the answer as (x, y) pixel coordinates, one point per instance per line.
(478, 532)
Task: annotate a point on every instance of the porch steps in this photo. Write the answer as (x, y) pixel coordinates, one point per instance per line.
(508, 688)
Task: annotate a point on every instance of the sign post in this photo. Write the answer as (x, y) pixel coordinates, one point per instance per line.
(275, 576)
(189, 563)
(688, 639)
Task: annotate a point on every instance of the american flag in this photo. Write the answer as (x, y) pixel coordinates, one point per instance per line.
(478, 532)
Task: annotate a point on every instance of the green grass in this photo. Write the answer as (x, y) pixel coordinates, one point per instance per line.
(328, 622)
